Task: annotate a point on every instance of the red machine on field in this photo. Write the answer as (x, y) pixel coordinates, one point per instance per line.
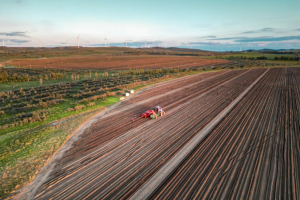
(148, 113)
(153, 114)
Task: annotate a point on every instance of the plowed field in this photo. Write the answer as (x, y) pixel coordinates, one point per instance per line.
(119, 63)
(253, 153)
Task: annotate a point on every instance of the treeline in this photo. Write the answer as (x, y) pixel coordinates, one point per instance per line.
(247, 58)
(286, 58)
(27, 118)
(5, 77)
(262, 58)
(279, 52)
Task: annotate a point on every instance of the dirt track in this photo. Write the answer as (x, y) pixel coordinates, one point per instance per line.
(119, 63)
(252, 154)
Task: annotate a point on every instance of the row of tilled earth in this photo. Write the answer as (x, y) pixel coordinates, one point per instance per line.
(253, 154)
(117, 155)
(120, 63)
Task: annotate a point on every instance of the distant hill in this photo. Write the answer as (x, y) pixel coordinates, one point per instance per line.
(102, 49)
(274, 50)
(187, 50)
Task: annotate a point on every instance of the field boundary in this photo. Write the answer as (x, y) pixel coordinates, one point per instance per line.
(149, 187)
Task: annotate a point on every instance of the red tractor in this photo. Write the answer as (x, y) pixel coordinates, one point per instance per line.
(153, 114)
(148, 113)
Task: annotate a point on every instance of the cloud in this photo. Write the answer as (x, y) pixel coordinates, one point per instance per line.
(269, 29)
(262, 44)
(249, 32)
(230, 38)
(210, 36)
(203, 43)
(21, 34)
(260, 39)
(268, 39)
(297, 29)
(131, 44)
(18, 41)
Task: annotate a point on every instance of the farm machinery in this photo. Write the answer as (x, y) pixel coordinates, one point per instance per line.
(153, 114)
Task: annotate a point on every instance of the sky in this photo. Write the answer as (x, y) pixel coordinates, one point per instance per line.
(219, 25)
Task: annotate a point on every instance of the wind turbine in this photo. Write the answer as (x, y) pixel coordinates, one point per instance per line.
(3, 41)
(105, 41)
(241, 47)
(158, 43)
(87, 44)
(40, 42)
(78, 41)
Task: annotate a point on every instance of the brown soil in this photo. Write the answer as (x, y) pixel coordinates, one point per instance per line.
(115, 156)
(118, 63)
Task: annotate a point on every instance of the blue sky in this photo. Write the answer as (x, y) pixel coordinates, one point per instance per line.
(212, 25)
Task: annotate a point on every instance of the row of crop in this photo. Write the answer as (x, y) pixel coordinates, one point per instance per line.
(31, 72)
(107, 82)
(151, 71)
(39, 89)
(110, 83)
(32, 91)
(5, 78)
(23, 107)
(17, 100)
(26, 118)
(85, 86)
(86, 92)
(150, 80)
(97, 97)
(25, 100)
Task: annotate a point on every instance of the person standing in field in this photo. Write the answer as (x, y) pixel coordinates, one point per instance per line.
(133, 118)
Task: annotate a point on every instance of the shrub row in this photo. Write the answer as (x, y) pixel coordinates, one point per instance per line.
(40, 115)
